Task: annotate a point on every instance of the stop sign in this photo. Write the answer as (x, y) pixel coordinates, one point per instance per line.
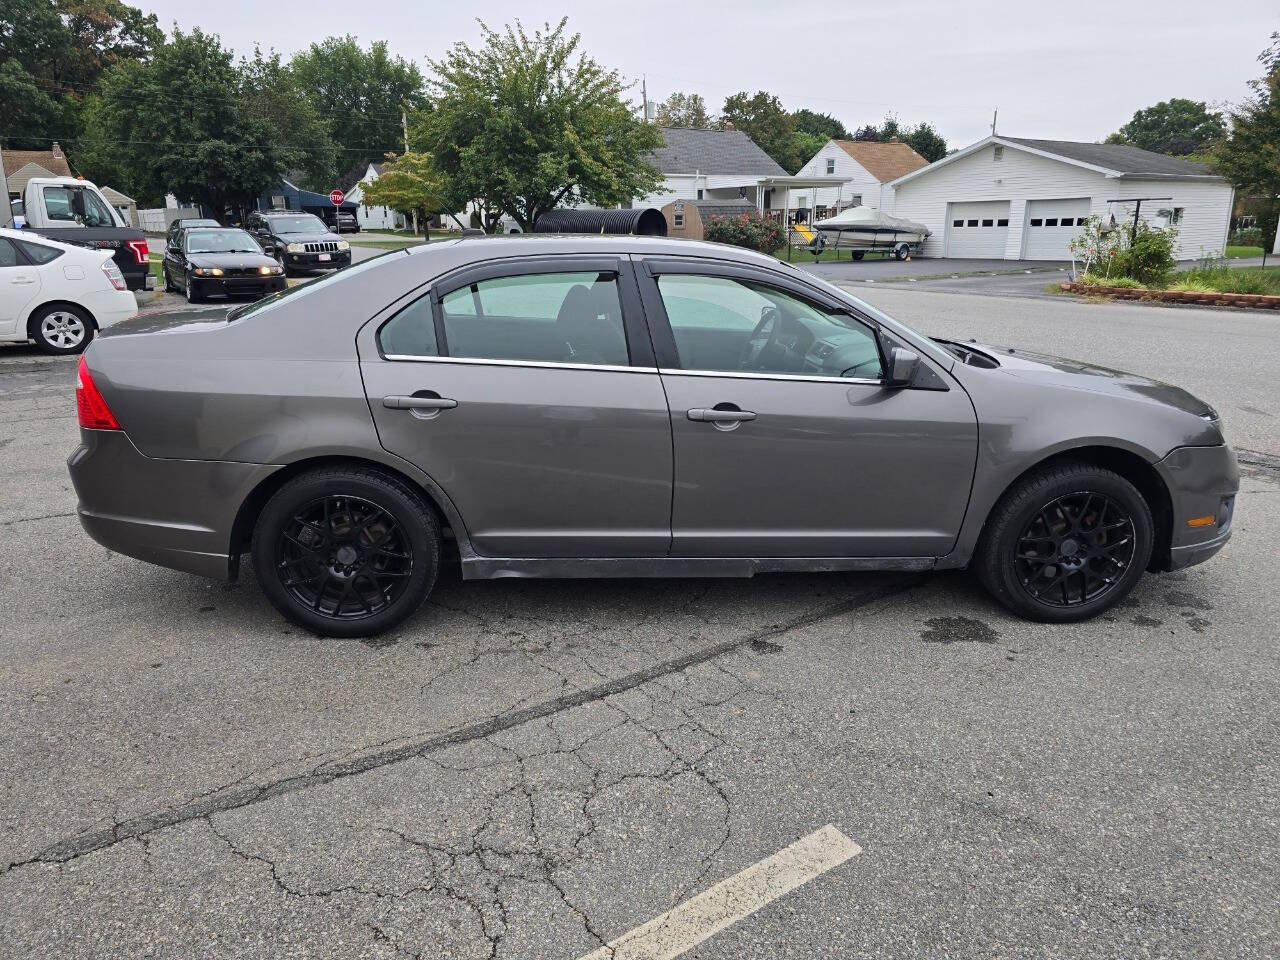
(336, 197)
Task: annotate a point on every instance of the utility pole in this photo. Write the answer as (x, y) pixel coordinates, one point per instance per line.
(644, 98)
(6, 215)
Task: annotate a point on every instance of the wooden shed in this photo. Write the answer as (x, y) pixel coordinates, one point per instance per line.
(685, 218)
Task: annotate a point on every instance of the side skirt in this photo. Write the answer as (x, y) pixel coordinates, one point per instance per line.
(493, 568)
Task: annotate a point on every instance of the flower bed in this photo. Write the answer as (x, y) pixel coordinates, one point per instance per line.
(1257, 301)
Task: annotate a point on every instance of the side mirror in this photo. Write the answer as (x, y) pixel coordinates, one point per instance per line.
(903, 365)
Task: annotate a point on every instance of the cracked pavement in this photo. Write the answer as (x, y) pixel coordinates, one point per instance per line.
(529, 769)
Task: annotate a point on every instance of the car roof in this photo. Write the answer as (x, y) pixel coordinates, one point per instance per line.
(39, 238)
(497, 246)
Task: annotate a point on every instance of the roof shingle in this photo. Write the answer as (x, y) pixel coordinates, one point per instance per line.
(55, 163)
(884, 161)
(712, 153)
(1131, 161)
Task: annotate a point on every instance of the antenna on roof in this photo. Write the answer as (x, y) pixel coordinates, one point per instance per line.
(994, 113)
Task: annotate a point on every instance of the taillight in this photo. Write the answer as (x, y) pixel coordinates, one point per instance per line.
(91, 409)
(140, 253)
(114, 275)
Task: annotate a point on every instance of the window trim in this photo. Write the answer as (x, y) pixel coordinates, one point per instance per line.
(664, 343)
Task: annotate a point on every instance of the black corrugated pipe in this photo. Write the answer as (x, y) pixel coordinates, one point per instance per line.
(641, 221)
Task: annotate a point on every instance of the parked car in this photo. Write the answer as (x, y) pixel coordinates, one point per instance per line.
(300, 241)
(219, 260)
(624, 406)
(186, 223)
(347, 222)
(58, 294)
(74, 211)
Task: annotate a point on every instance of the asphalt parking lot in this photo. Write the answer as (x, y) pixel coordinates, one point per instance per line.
(536, 769)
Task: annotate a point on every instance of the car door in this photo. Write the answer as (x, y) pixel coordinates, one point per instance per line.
(19, 285)
(175, 262)
(527, 390)
(786, 441)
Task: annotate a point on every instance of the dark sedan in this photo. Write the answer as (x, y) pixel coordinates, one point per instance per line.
(219, 260)
(624, 406)
(300, 241)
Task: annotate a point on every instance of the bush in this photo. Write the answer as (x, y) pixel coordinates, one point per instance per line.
(1191, 286)
(1097, 280)
(1117, 251)
(1248, 237)
(748, 230)
(1214, 275)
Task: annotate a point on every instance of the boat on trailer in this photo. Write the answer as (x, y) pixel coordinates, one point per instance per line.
(863, 229)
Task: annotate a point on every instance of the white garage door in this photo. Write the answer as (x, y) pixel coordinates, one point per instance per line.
(977, 230)
(1051, 225)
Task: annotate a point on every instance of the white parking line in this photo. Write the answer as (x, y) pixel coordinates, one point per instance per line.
(684, 927)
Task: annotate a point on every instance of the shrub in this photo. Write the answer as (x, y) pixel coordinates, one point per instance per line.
(1097, 280)
(1145, 255)
(748, 230)
(1248, 237)
(1191, 286)
(1215, 275)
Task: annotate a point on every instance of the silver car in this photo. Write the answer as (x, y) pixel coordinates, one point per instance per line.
(558, 406)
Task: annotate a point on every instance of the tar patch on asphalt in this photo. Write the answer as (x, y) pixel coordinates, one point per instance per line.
(957, 630)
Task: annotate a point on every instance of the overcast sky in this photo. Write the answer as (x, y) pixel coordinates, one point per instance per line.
(1067, 71)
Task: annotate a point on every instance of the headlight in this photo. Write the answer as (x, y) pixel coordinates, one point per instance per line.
(207, 271)
(268, 271)
(295, 248)
(343, 245)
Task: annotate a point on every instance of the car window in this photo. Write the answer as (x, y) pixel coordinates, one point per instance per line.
(39, 253)
(220, 241)
(547, 317)
(58, 204)
(8, 256)
(722, 324)
(304, 223)
(411, 332)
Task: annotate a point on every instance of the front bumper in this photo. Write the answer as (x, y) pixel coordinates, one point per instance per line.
(257, 286)
(1202, 482)
(312, 261)
(174, 513)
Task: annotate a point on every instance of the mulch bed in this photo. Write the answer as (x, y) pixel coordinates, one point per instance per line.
(1256, 301)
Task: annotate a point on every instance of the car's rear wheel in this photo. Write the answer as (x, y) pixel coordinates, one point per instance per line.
(346, 552)
(1066, 543)
(61, 329)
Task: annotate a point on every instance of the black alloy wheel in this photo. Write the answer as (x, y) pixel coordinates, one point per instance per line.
(1075, 549)
(1065, 543)
(346, 551)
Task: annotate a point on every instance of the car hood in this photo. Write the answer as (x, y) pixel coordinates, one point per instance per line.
(225, 260)
(1077, 375)
(307, 237)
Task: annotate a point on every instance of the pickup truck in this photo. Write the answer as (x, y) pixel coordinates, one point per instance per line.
(75, 211)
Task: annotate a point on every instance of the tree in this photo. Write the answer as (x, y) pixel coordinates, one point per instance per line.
(361, 94)
(1176, 126)
(527, 122)
(821, 125)
(409, 182)
(762, 118)
(272, 92)
(178, 123)
(684, 110)
(1250, 157)
(926, 141)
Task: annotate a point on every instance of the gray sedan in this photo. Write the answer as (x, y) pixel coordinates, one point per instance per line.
(558, 406)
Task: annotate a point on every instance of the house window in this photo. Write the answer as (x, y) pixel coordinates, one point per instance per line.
(1177, 214)
(988, 223)
(997, 153)
(973, 223)
(957, 223)
(1051, 222)
(699, 193)
(1002, 222)
(1037, 222)
(831, 166)
(1067, 222)
(679, 220)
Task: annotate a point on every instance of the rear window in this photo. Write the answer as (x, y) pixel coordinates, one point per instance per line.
(39, 252)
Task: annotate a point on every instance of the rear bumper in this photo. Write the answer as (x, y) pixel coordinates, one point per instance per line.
(1202, 482)
(110, 307)
(174, 513)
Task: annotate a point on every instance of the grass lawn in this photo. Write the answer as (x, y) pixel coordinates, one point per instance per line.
(1236, 253)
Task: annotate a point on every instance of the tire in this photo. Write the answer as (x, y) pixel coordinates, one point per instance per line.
(61, 329)
(336, 583)
(193, 293)
(168, 283)
(900, 252)
(1053, 548)
(858, 254)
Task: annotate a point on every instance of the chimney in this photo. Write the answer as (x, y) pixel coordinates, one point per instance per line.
(56, 150)
(894, 140)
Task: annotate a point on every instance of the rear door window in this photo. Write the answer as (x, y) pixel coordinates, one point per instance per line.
(541, 317)
(39, 253)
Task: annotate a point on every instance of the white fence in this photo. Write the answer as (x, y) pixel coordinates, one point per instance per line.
(157, 219)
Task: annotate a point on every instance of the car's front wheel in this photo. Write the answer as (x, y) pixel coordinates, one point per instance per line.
(1066, 543)
(346, 552)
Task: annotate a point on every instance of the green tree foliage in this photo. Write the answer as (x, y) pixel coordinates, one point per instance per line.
(821, 125)
(410, 183)
(684, 110)
(528, 121)
(1250, 157)
(762, 117)
(361, 94)
(1176, 126)
(273, 92)
(52, 54)
(204, 146)
(922, 138)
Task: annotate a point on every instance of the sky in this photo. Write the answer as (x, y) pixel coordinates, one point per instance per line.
(1064, 71)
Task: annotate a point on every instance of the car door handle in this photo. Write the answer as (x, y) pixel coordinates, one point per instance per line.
(704, 415)
(418, 403)
(23, 280)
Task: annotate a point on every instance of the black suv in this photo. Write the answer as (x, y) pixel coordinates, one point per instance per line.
(300, 241)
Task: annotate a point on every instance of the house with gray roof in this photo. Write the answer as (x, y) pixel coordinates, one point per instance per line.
(1013, 198)
(727, 166)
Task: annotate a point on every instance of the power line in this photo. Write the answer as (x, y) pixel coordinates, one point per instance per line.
(311, 148)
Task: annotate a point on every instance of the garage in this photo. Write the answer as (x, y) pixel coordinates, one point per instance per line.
(977, 230)
(1051, 226)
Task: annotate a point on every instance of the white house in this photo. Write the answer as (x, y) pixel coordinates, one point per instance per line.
(728, 165)
(867, 169)
(373, 217)
(1010, 198)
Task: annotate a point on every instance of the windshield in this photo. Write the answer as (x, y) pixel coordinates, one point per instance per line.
(221, 241)
(305, 223)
